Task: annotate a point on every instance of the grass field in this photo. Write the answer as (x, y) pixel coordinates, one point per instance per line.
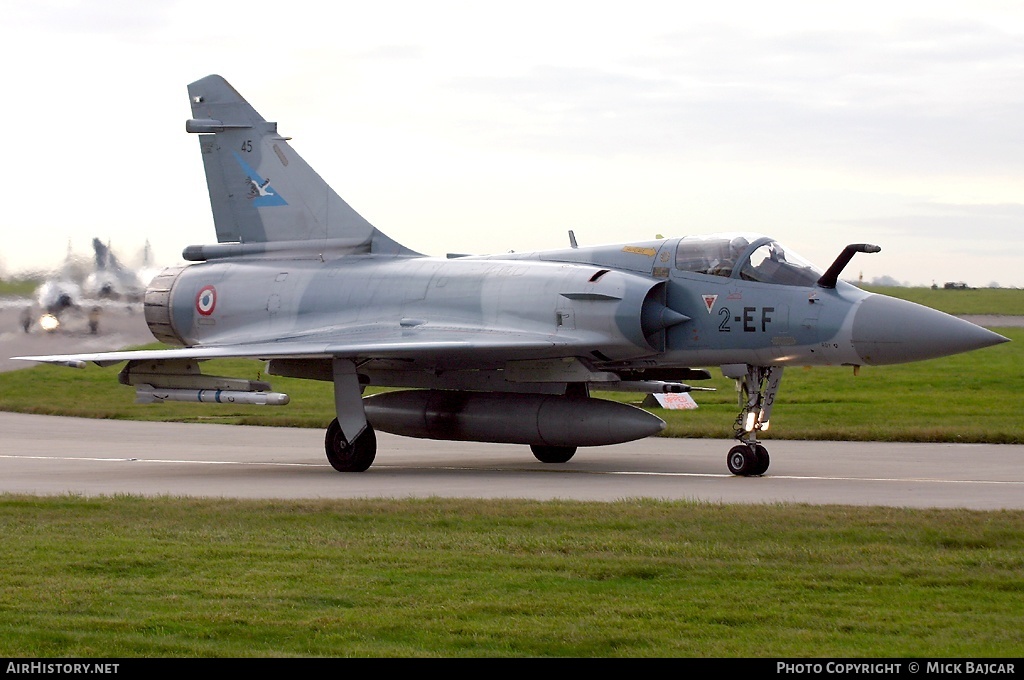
(173, 577)
(176, 577)
(1007, 301)
(18, 288)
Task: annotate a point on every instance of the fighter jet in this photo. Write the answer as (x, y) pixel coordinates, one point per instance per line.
(74, 293)
(59, 295)
(111, 280)
(494, 348)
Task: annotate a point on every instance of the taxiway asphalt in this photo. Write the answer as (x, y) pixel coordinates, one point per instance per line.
(47, 455)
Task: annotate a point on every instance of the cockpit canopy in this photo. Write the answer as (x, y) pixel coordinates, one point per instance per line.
(750, 257)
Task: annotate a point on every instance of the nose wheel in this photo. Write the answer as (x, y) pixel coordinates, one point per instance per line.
(748, 460)
(757, 396)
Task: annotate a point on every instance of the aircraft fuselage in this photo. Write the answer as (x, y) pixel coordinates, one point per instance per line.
(619, 315)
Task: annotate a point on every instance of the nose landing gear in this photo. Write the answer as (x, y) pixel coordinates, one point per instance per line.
(759, 386)
(748, 460)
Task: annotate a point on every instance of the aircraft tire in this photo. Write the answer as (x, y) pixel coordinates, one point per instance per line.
(742, 461)
(354, 457)
(763, 461)
(553, 454)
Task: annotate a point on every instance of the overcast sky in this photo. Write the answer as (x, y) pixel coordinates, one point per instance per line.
(484, 127)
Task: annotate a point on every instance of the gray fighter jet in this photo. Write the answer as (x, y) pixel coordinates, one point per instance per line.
(112, 280)
(499, 348)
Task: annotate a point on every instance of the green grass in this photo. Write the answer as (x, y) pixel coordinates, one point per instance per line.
(970, 397)
(133, 577)
(18, 287)
(1009, 301)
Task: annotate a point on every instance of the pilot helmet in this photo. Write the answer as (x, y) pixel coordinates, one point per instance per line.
(738, 245)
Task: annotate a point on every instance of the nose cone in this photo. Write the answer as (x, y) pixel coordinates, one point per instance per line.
(891, 331)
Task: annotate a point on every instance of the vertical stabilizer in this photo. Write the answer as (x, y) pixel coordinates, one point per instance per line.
(101, 254)
(261, 191)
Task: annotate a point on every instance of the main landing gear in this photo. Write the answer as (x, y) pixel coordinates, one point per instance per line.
(356, 456)
(759, 386)
(350, 442)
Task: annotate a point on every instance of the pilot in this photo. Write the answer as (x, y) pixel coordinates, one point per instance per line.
(737, 246)
(725, 266)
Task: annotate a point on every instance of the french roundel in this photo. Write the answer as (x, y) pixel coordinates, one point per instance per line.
(206, 300)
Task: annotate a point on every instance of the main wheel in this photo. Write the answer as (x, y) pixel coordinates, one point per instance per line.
(742, 461)
(553, 454)
(354, 457)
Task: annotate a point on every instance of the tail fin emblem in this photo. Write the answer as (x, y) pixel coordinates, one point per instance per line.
(260, 192)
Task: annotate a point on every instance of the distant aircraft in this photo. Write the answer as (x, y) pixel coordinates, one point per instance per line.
(499, 348)
(54, 298)
(75, 291)
(59, 294)
(111, 280)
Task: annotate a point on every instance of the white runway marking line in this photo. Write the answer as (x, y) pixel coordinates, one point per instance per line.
(714, 475)
(162, 460)
(829, 479)
(903, 479)
(627, 473)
